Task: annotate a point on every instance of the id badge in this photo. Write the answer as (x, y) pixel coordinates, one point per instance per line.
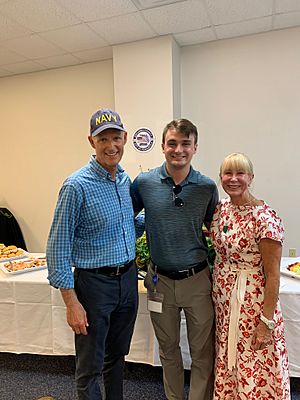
(155, 301)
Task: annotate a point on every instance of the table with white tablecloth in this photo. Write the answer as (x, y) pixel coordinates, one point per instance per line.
(290, 304)
(33, 320)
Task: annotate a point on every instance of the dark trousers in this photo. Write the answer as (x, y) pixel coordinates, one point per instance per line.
(111, 305)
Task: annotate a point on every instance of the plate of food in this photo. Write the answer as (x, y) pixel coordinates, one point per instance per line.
(9, 253)
(292, 270)
(24, 265)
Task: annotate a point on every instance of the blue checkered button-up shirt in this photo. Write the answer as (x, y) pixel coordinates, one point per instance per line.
(93, 224)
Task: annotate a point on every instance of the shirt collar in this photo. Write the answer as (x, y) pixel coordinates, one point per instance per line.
(100, 171)
(191, 178)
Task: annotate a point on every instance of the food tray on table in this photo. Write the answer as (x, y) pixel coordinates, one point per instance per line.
(24, 265)
(9, 253)
(292, 270)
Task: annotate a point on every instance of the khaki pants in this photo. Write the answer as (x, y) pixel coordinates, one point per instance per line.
(193, 296)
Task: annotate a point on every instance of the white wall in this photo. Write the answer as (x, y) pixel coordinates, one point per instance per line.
(147, 94)
(244, 95)
(43, 138)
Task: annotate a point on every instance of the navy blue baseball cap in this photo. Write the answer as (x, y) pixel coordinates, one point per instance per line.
(105, 119)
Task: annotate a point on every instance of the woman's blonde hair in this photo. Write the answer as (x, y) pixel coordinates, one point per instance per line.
(237, 162)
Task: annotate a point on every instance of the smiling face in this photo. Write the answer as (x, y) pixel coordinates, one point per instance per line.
(178, 149)
(236, 174)
(236, 184)
(109, 147)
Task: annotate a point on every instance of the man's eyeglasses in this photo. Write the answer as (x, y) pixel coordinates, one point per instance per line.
(178, 202)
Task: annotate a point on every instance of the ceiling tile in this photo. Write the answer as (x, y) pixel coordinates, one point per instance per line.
(32, 47)
(227, 11)
(179, 17)
(286, 20)
(244, 28)
(122, 29)
(9, 57)
(38, 15)
(3, 73)
(59, 61)
(103, 53)
(144, 4)
(282, 6)
(194, 37)
(74, 38)
(24, 67)
(98, 9)
(56, 33)
(10, 29)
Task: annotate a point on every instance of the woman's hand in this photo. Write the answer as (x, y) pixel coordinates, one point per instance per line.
(262, 337)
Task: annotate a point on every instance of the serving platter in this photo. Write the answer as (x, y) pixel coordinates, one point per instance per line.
(23, 265)
(286, 271)
(17, 255)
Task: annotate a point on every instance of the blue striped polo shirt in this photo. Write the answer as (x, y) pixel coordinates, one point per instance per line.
(174, 234)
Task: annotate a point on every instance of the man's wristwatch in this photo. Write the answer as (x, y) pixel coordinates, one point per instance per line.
(269, 322)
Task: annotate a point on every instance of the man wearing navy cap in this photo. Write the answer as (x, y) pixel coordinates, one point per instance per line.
(93, 230)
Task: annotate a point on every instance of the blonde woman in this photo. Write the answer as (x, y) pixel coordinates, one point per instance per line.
(247, 234)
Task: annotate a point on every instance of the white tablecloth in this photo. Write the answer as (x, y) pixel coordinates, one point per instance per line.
(33, 320)
(290, 304)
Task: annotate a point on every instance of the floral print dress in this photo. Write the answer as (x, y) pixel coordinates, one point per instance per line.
(238, 294)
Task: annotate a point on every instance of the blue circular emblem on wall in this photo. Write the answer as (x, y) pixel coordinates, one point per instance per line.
(143, 140)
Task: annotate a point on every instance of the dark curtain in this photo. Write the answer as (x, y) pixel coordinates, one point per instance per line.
(10, 232)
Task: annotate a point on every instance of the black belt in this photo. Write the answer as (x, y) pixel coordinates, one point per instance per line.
(182, 274)
(109, 271)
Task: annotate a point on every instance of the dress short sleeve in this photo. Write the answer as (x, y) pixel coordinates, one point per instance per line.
(268, 224)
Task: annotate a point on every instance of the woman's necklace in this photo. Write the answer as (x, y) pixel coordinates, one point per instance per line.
(248, 203)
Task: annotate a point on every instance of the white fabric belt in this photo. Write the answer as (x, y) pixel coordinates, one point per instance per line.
(237, 298)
